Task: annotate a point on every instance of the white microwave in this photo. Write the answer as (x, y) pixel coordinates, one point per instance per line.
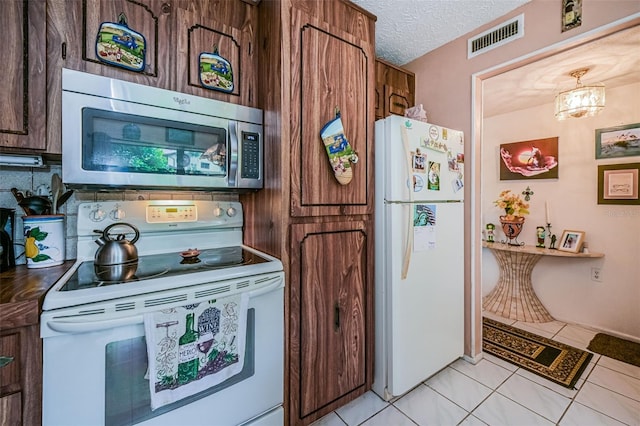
(117, 134)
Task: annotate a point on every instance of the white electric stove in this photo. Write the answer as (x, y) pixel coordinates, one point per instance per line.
(92, 328)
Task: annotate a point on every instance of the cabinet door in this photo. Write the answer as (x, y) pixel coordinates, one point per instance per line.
(79, 22)
(396, 101)
(330, 302)
(11, 409)
(329, 68)
(228, 27)
(23, 77)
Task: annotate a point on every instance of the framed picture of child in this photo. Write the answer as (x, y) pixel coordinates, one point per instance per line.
(571, 241)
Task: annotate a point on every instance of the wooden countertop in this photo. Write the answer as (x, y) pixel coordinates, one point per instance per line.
(22, 291)
(538, 250)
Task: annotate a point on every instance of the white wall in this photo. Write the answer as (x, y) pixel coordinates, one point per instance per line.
(564, 286)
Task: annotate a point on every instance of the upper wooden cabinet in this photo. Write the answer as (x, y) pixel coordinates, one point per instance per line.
(395, 89)
(332, 70)
(23, 76)
(176, 32)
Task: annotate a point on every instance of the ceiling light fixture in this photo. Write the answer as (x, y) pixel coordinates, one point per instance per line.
(583, 101)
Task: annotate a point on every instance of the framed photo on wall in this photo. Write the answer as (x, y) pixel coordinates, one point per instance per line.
(619, 141)
(534, 159)
(618, 183)
(571, 14)
(571, 241)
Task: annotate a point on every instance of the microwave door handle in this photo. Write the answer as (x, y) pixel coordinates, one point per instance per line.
(87, 326)
(233, 158)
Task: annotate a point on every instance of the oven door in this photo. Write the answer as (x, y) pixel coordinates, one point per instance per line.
(94, 372)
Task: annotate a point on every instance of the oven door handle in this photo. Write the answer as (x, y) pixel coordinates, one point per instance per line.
(266, 289)
(87, 326)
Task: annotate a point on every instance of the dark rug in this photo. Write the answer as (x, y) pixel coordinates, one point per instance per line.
(555, 361)
(616, 348)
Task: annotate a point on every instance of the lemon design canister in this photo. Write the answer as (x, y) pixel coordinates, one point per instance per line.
(44, 240)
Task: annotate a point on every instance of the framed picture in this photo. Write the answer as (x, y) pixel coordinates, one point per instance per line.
(571, 14)
(571, 241)
(619, 141)
(618, 183)
(534, 159)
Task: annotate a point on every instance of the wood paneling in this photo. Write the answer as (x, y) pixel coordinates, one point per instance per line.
(312, 56)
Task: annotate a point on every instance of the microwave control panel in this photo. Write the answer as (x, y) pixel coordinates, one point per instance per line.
(250, 156)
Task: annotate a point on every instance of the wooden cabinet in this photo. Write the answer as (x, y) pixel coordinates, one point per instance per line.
(23, 76)
(395, 89)
(176, 33)
(316, 56)
(21, 295)
(21, 377)
(330, 295)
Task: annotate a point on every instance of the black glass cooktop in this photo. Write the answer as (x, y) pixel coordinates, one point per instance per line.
(160, 265)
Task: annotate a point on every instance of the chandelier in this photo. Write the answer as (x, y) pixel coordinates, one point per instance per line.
(583, 101)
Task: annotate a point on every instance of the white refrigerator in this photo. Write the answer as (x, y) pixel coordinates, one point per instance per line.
(419, 259)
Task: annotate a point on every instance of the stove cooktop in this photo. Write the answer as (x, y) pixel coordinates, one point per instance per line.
(166, 265)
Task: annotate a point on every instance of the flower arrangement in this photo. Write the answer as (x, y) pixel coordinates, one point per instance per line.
(512, 204)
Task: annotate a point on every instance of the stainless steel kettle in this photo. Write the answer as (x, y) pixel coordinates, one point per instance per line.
(116, 251)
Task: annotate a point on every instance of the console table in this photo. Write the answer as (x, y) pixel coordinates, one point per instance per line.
(513, 296)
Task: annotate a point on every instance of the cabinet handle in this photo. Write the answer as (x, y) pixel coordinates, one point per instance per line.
(336, 316)
(5, 360)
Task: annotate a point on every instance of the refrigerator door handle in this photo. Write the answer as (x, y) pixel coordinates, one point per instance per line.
(407, 250)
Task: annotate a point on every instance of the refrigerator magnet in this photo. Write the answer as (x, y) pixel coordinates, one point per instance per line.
(419, 161)
(119, 45)
(457, 184)
(434, 176)
(417, 183)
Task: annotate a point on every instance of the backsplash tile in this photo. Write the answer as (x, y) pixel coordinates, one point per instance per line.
(25, 179)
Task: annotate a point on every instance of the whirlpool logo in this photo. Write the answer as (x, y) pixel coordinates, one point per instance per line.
(181, 101)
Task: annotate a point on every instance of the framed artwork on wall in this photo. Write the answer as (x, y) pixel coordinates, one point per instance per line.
(571, 241)
(534, 159)
(619, 141)
(618, 183)
(571, 14)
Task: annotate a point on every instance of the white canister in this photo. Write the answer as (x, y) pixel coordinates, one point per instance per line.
(44, 240)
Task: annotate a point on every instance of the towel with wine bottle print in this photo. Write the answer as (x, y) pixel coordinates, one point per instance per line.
(194, 347)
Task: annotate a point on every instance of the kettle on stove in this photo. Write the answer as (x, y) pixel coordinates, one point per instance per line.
(117, 258)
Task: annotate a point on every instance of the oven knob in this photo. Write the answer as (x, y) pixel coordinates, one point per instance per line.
(231, 212)
(97, 215)
(217, 212)
(117, 214)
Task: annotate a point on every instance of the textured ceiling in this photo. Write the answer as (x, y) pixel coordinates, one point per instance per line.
(407, 29)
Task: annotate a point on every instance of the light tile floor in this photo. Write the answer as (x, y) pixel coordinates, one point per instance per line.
(494, 392)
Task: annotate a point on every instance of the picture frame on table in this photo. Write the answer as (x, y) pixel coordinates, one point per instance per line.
(571, 241)
(618, 141)
(619, 184)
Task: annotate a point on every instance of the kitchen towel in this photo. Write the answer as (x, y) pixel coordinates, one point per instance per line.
(194, 347)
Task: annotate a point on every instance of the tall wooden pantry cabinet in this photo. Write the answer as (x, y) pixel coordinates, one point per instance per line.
(315, 56)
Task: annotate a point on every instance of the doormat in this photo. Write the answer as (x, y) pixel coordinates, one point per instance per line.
(616, 348)
(555, 361)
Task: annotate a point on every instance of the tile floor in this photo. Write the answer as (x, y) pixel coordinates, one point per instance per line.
(494, 392)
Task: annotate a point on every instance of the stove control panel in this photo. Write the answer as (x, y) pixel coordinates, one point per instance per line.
(161, 214)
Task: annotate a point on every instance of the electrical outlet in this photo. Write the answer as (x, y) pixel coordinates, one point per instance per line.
(596, 275)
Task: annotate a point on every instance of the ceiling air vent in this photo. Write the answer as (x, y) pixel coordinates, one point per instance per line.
(496, 36)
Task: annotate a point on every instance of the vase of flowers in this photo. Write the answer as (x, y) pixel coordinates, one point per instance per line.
(512, 221)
